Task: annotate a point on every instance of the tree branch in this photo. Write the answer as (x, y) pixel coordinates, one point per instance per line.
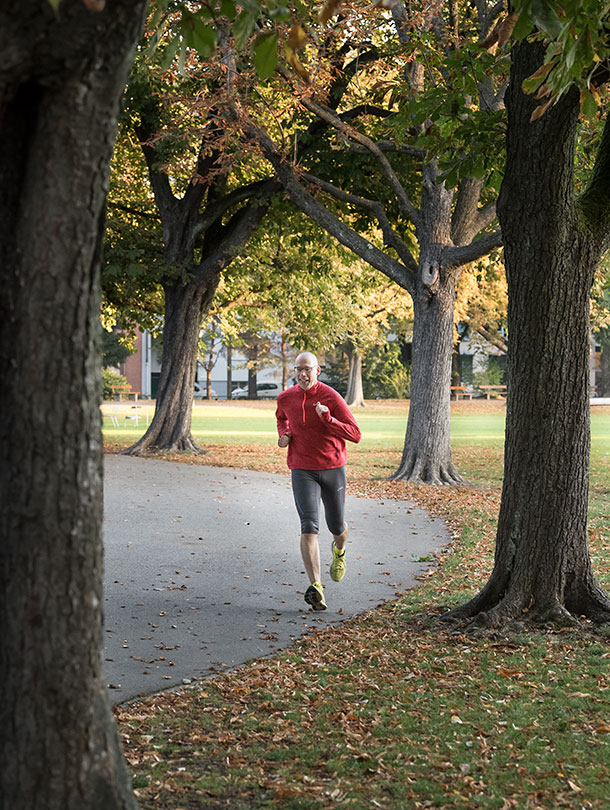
(390, 238)
(468, 219)
(595, 201)
(392, 268)
(495, 339)
(463, 254)
(216, 209)
(404, 204)
(389, 146)
(164, 197)
(133, 211)
(235, 235)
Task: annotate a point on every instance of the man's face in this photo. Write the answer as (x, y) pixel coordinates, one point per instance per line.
(306, 370)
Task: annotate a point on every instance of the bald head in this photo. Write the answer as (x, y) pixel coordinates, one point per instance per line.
(307, 359)
(307, 370)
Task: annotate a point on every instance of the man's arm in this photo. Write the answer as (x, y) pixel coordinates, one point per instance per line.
(283, 426)
(342, 424)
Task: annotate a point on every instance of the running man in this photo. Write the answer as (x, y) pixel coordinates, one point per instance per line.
(313, 422)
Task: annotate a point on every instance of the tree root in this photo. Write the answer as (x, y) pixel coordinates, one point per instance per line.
(513, 614)
(186, 445)
(416, 470)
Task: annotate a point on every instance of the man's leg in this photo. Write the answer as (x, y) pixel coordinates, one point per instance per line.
(306, 490)
(340, 539)
(333, 496)
(310, 551)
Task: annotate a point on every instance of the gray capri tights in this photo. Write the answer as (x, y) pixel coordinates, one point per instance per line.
(308, 486)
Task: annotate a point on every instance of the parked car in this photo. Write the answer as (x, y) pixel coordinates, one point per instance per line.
(201, 391)
(264, 390)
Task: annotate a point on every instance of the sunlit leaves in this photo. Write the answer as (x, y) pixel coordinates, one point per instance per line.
(577, 37)
(329, 10)
(265, 54)
(198, 35)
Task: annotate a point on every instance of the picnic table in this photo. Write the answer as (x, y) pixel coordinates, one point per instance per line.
(493, 390)
(124, 390)
(458, 391)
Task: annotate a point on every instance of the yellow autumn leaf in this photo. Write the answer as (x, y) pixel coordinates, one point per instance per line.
(506, 29)
(328, 10)
(297, 38)
(540, 111)
(296, 63)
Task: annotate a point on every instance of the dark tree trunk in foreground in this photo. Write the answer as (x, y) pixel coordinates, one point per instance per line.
(553, 243)
(61, 79)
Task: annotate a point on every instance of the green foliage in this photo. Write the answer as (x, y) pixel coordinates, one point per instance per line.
(178, 30)
(384, 375)
(110, 378)
(336, 372)
(114, 350)
(576, 35)
(492, 375)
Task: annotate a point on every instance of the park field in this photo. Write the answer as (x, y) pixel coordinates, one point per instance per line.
(392, 709)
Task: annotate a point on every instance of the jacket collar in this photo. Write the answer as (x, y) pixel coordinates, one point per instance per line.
(312, 391)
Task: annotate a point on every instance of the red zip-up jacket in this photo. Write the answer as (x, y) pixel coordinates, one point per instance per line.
(317, 443)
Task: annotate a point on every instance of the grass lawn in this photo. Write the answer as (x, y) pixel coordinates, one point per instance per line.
(392, 709)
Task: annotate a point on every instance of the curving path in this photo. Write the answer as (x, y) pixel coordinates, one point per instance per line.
(203, 571)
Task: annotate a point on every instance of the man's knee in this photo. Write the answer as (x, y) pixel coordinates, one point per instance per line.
(310, 526)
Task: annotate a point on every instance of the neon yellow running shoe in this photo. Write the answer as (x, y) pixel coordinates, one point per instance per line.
(337, 566)
(314, 596)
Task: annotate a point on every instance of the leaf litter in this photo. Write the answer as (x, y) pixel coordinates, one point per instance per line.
(393, 708)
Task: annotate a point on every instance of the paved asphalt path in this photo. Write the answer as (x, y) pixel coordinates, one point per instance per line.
(203, 570)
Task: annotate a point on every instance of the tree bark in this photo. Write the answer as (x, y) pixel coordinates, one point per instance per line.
(604, 381)
(552, 245)
(170, 429)
(229, 372)
(426, 457)
(354, 395)
(187, 301)
(61, 79)
(446, 243)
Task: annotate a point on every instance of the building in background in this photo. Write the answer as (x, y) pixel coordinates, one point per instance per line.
(142, 370)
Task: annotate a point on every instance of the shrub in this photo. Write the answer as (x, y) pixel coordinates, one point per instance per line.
(110, 378)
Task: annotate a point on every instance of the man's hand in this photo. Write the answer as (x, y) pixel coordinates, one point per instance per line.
(284, 440)
(320, 409)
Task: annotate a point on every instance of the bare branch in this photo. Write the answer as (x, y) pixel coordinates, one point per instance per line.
(365, 109)
(468, 219)
(216, 210)
(495, 339)
(463, 254)
(404, 204)
(388, 146)
(390, 238)
(134, 211)
(162, 190)
(234, 235)
(393, 269)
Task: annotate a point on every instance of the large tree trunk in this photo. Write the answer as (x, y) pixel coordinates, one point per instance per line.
(542, 564)
(604, 381)
(426, 457)
(185, 306)
(61, 79)
(354, 395)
